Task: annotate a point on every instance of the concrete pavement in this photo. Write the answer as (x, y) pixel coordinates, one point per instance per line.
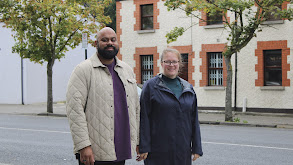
(273, 120)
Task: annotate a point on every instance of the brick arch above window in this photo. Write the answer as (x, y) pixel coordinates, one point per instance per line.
(191, 55)
(137, 13)
(205, 49)
(259, 67)
(145, 51)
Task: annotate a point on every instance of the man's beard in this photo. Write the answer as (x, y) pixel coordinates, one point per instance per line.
(108, 54)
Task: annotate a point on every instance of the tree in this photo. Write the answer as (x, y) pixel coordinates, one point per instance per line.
(111, 12)
(249, 14)
(46, 29)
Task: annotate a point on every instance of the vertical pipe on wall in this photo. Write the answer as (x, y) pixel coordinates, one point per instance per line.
(21, 70)
(191, 31)
(235, 82)
(235, 91)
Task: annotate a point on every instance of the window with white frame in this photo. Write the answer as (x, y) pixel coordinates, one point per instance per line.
(215, 69)
(272, 67)
(146, 67)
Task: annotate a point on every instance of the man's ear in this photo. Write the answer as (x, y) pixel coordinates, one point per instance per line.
(96, 43)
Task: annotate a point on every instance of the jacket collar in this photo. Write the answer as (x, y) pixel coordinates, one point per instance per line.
(97, 63)
(185, 85)
(161, 82)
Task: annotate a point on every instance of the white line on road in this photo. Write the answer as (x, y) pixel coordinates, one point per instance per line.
(231, 144)
(247, 145)
(35, 130)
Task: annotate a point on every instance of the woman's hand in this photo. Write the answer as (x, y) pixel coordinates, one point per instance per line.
(195, 156)
(140, 156)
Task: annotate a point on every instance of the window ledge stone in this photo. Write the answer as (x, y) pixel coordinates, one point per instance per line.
(214, 26)
(214, 88)
(273, 22)
(272, 88)
(146, 31)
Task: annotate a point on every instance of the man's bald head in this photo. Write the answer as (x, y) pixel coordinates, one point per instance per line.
(105, 30)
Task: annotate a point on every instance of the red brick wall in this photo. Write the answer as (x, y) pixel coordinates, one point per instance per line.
(137, 13)
(118, 27)
(145, 51)
(205, 48)
(259, 67)
(188, 49)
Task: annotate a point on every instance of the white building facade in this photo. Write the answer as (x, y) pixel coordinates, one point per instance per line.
(264, 74)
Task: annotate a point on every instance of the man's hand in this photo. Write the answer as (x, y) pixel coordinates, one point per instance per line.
(195, 156)
(87, 156)
(139, 156)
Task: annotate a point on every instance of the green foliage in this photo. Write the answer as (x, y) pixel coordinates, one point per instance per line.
(174, 4)
(45, 29)
(237, 120)
(111, 12)
(174, 34)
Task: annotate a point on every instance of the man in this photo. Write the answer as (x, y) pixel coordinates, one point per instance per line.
(103, 106)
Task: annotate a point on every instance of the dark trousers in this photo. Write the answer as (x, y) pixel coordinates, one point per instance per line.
(101, 162)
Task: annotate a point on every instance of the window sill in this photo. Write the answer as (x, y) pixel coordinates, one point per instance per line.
(214, 88)
(273, 22)
(214, 26)
(272, 88)
(146, 31)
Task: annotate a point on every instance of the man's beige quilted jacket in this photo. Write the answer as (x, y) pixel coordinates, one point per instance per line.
(90, 107)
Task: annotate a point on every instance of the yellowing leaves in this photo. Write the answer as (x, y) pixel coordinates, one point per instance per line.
(43, 25)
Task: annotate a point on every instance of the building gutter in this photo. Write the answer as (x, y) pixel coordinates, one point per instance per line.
(235, 91)
(21, 70)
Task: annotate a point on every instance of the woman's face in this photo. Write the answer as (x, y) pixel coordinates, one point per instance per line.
(170, 65)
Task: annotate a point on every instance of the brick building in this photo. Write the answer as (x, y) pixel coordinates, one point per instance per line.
(264, 74)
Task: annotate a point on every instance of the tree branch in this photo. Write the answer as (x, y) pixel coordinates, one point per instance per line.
(72, 34)
(51, 36)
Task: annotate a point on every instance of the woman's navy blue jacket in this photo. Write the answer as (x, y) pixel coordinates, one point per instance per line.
(169, 126)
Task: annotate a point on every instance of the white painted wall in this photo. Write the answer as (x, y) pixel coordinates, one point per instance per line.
(10, 87)
(35, 75)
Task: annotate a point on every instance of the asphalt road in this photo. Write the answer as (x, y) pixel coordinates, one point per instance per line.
(38, 140)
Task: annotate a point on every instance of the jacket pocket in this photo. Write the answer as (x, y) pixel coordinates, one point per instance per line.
(132, 81)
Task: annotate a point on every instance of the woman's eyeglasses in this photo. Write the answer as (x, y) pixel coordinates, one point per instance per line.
(171, 62)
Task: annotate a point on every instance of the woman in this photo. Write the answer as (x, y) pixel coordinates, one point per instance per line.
(169, 127)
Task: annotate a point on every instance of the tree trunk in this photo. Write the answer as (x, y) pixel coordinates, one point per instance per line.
(49, 87)
(228, 99)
